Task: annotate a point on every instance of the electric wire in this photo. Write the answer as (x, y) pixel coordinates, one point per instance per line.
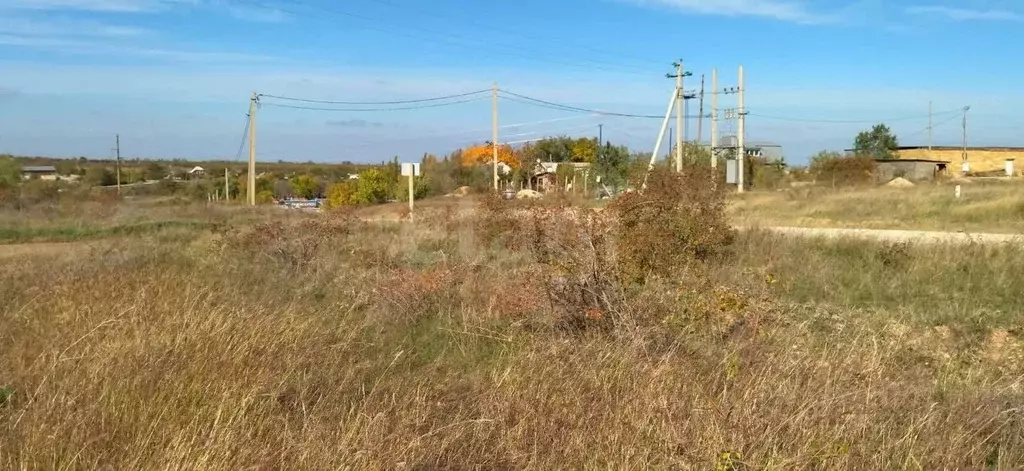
(439, 36)
(851, 121)
(515, 97)
(245, 135)
(396, 102)
(402, 108)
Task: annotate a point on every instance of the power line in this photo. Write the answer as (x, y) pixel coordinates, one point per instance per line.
(845, 121)
(245, 136)
(941, 123)
(403, 108)
(558, 106)
(513, 33)
(443, 37)
(515, 97)
(397, 102)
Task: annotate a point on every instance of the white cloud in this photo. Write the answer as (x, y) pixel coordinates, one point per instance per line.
(66, 28)
(258, 15)
(243, 11)
(85, 46)
(122, 6)
(782, 10)
(964, 14)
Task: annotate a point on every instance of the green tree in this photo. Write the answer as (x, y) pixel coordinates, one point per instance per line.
(10, 173)
(835, 169)
(584, 150)
(341, 194)
(612, 166)
(67, 167)
(878, 143)
(100, 176)
(374, 187)
(306, 186)
(155, 171)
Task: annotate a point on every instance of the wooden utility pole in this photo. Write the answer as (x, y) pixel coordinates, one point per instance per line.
(251, 184)
(494, 132)
(117, 148)
(700, 113)
(741, 151)
(963, 156)
(227, 188)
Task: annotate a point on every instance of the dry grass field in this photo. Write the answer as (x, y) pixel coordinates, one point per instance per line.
(272, 341)
(985, 207)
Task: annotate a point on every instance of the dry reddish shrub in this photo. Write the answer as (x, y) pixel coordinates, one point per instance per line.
(291, 243)
(679, 219)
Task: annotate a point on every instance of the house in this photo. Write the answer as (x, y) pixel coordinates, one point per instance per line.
(915, 170)
(545, 175)
(40, 172)
(980, 160)
(197, 171)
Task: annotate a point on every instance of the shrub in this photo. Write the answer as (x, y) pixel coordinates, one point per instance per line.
(341, 194)
(680, 218)
(832, 168)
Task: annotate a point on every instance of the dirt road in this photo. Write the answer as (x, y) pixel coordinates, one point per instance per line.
(887, 235)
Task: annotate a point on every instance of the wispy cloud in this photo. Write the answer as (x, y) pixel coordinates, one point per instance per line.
(263, 13)
(82, 46)
(782, 10)
(966, 14)
(67, 28)
(355, 123)
(258, 14)
(120, 6)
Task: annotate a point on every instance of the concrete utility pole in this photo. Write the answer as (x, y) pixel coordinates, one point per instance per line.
(679, 116)
(251, 186)
(227, 189)
(494, 132)
(700, 113)
(117, 148)
(714, 118)
(661, 136)
(741, 150)
(679, 103)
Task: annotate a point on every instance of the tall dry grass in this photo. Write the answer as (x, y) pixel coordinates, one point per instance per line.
(984, 207)
(333, 343)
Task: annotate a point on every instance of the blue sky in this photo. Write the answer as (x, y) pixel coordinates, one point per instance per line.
(173, 77)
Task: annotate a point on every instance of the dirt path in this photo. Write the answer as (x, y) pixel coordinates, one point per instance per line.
(887, 235)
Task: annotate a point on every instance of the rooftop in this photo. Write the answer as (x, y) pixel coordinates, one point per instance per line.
(920, 161)
(39, 169)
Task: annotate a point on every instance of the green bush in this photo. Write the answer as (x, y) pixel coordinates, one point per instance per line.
(837, 170)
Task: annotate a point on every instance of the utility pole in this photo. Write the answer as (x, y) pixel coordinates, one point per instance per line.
(680, 73)
(679, 116)
(963, 156)
(117, 148)
(740, 128)
(251, 186)
(700, 113)
(600, 135)
(494, 132)
(714, 118)
(227, 189)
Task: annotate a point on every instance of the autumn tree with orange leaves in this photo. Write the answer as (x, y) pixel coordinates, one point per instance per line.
(482, 154)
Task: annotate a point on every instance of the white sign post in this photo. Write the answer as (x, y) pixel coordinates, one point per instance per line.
(411, 170)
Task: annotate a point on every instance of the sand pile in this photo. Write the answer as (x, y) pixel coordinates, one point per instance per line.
(900, 182)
